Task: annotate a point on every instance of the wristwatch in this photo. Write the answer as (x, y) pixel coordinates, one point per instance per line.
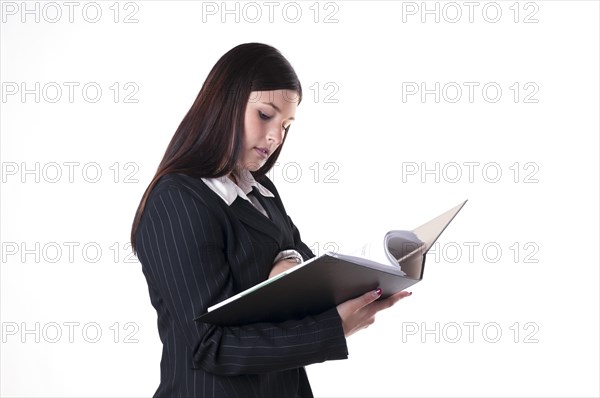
(294, 257)
(289, 254)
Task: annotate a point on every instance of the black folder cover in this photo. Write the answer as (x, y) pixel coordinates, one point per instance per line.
(316, 286)
(326, 281)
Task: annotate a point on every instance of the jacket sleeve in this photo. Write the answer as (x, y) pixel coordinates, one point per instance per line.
(181, 246)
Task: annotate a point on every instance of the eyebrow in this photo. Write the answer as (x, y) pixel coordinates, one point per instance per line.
(277, 109)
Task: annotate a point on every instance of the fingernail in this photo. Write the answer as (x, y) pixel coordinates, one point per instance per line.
(410, 293)
(378, 292)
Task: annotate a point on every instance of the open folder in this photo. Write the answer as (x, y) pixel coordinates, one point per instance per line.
(325, 281)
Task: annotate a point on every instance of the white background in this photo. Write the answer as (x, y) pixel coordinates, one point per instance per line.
(532, 274)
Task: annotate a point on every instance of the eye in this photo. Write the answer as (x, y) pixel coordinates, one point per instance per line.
(263, 116)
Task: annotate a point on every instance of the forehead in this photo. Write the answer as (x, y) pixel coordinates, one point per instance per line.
(282, 98)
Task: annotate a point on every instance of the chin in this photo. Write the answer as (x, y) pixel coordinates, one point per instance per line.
(253, 166)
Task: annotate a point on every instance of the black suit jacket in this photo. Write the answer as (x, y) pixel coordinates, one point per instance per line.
(196, 251)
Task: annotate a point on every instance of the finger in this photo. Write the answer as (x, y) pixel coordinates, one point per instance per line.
(391, 300)
(400, 295)
(353, 305)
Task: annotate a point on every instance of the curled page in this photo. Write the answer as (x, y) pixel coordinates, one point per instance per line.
(397, 248)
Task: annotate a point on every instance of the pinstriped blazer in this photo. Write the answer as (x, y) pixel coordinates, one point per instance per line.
(196, 251)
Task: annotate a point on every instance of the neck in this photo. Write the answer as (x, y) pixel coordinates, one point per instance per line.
(240, 173)
(232, 177)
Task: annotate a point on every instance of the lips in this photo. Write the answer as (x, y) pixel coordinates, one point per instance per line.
(263, 152)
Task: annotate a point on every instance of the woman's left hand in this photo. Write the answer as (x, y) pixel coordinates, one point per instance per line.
(281, 266)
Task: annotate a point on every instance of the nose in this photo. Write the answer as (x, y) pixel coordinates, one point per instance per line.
(275, 136)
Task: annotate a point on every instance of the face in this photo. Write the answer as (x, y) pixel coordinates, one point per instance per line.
(268, 116)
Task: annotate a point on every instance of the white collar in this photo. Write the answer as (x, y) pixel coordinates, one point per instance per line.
(228, 190)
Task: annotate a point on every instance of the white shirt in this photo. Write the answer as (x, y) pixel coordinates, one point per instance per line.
(229, 191)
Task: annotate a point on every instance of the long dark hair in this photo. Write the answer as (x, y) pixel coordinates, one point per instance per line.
(209, 139)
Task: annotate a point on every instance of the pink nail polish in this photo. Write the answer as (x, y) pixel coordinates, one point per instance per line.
(378, 291)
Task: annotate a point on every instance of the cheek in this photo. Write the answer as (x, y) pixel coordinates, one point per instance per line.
(252, 131)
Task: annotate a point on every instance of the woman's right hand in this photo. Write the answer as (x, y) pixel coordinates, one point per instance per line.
(359, 313)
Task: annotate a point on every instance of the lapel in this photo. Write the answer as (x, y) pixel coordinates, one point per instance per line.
(275, 227)
(249, 215)
(277, 217)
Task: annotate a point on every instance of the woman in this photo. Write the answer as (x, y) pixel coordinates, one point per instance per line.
(211, 224)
